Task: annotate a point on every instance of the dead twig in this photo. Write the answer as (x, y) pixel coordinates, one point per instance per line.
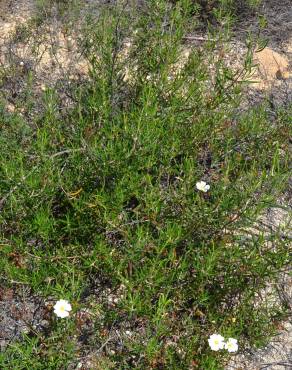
(67, 151)
(197, 38)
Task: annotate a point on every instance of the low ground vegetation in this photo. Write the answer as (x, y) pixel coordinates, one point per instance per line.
(133, 203)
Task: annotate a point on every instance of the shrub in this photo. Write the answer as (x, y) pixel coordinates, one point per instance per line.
(105, 196)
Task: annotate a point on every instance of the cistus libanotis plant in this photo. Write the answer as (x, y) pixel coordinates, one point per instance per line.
(148, 183)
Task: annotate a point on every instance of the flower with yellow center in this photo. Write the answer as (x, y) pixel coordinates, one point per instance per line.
(231, 345)
(62, 308)
(202, 186)
(216, 342)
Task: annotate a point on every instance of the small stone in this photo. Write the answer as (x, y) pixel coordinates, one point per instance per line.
(26, 330)
(45, 323)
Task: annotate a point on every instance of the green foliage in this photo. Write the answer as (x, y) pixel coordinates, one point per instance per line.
(107, 192)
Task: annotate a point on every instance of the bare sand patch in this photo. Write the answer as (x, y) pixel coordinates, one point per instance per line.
(271, 66)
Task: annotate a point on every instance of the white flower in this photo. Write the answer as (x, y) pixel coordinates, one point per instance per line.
(231, 345)
(216, 342)
(202, 186)
(62, 308)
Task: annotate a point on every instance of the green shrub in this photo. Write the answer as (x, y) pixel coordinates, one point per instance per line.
(107, 192)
